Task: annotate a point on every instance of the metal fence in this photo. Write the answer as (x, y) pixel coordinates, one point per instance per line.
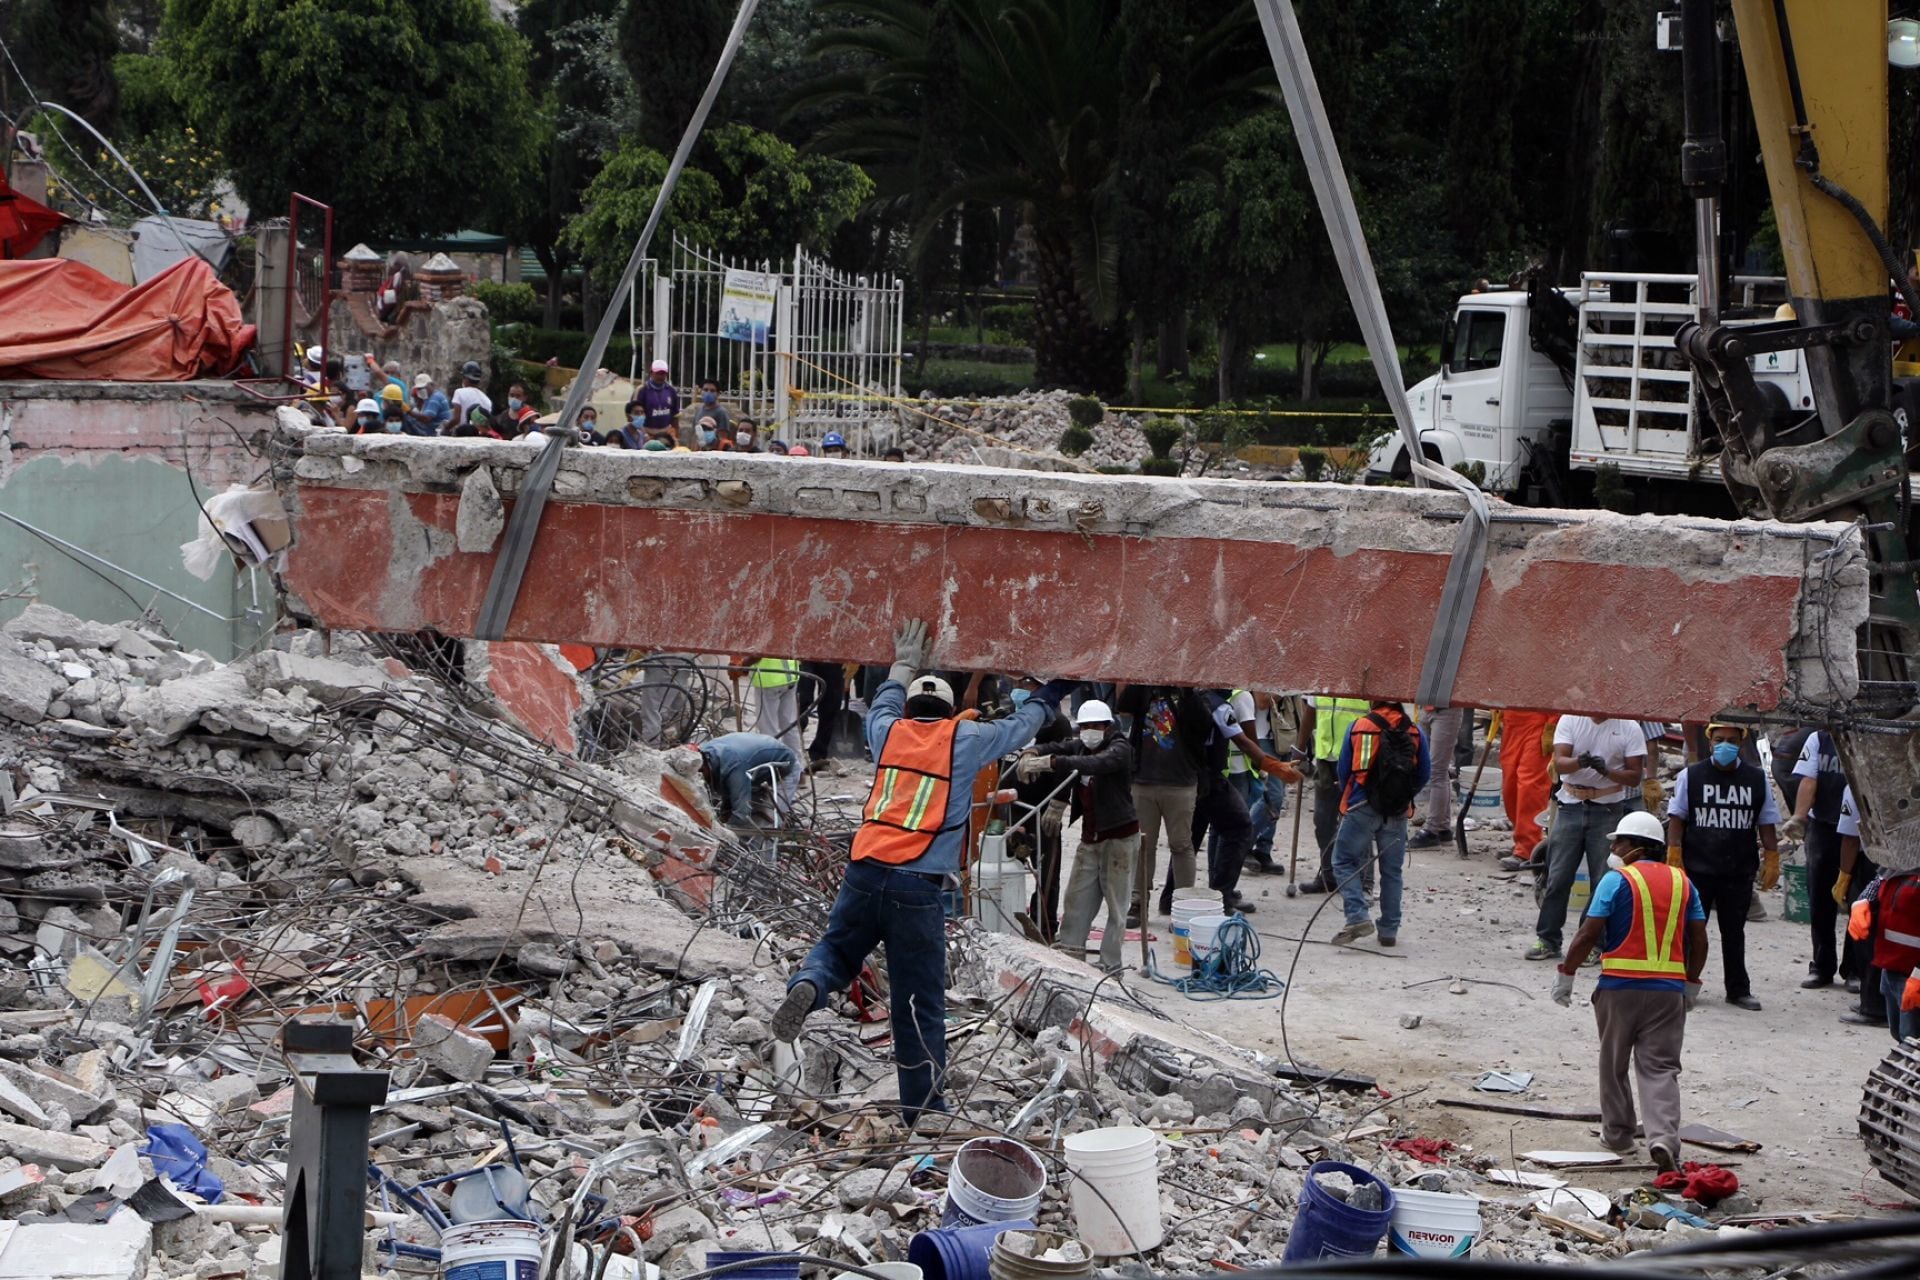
(821, 351)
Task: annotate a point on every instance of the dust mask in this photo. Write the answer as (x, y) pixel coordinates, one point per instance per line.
(1616, 862)
(1726, 754)
(1093, 737)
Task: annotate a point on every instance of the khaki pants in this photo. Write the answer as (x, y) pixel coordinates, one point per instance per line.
(1645, 1027)
(1102, 872)
(1157, 803)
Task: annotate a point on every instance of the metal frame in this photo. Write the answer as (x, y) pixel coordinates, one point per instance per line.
(324, 1225)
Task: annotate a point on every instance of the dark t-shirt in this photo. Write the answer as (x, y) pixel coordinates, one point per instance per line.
(1163, 742)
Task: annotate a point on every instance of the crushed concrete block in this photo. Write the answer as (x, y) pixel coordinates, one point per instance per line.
(50, 1089)
(116, 1249)
(24, 849)
(166, 711)
(16, 1102)
(256, 831)
(455, 1050)
(225, 1094)
(61, 933)
(60, 1150)
(678, 1226)
(544, 960)
(44, 622)
(482, 516)
(27, 687)
(330, 680)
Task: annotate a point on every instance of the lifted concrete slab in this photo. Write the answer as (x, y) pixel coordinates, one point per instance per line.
(1309, 587)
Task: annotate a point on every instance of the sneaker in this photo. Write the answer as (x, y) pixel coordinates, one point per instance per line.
(794, 1009)
(1425, 839)
(1240, 904)
(1592, 961)
(1352, 933)
(1663, 1157)
(1541, 951)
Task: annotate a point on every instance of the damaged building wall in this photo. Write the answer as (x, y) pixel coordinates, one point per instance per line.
(1297, 586)
(113, 468)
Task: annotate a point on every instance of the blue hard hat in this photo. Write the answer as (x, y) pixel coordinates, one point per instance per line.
(833, 440)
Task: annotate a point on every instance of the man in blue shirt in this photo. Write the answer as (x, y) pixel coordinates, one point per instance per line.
(1371, 826)
(1649, 979)
(733, 762)
(906, 856)
(431, 412)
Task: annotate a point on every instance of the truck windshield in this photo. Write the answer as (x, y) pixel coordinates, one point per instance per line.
(1477, 340)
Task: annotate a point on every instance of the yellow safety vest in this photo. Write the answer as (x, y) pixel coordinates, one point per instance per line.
(1332, 718)
(775, 673)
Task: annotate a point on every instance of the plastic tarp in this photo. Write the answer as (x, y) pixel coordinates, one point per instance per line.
(157, 244)
(24, 221)
(61, 319)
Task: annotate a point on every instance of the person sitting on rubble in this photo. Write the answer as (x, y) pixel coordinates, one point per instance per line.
(393, 410)
(906, 857)
(1102, 798)
(431, 412)
(739, 769)
(1649, 981)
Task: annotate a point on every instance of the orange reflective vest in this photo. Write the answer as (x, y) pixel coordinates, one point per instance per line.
(1896, 942)
(908, 803)
(1655, 946)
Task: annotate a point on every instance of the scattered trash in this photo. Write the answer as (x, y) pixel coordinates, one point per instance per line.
(1504, 1082)
(1707, 1184)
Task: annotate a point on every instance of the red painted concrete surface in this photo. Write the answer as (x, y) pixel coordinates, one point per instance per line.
(535, 691)
(1627, 640)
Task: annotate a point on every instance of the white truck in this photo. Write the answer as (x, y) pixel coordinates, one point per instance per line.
(1545, 386)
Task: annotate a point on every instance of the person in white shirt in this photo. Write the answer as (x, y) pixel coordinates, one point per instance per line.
(469, 397)
(1599, 763)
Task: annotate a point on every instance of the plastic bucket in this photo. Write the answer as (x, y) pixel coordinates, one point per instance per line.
(773, 1266)
(1016, 1256)
(891, 1270)
(1484, 796)
(993, 1180)
(1202, 935)
(1184, 911)
(1328, 1227)
(502, 1249)
(1115, 1191)
(1793, 879)
(957, 1253)
(1432, 1224)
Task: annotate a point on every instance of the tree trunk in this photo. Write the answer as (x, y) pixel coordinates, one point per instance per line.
(1307, 361)
(1069, 349)
(1138, 356)
(1172, 343)
(550, 262)
(1228, 341)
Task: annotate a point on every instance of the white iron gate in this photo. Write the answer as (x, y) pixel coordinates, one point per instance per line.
(829, 358)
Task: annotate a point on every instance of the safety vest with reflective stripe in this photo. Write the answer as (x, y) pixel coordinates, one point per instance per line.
(1896, 941)
(775, 673)
(908, 804)
(1332, 718)
(1655, 946)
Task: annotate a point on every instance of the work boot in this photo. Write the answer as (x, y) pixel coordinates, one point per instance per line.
(1352, 933)
(1746, 1002)
(1233, 902)
(1315, 885)
(1815, 983)
(1166, 899)
(794, 1010)
(1853, 1017)
(1425, 839)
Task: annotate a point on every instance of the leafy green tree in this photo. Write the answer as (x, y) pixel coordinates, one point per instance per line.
(671, 46)
(407, 116)
(761, 199)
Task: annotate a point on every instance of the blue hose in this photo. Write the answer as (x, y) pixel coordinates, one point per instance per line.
(1232, 972)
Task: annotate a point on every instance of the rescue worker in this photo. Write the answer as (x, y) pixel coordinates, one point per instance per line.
(1885, 920)
(1102, 798)
(734, 762)
(1599, 763)
(1526, 785)
(905, 858)
(1817, 793)
(1649, 981)
(1721, 816)
(776, 704)
(1372, 824)
(1218, 805)
(1169, 740)
(1323, 732)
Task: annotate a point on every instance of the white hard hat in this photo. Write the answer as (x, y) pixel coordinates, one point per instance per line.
(1641, 825)
(659, 366)
(930, 687)
(1093, 711)
(316, 356)
(368, 405)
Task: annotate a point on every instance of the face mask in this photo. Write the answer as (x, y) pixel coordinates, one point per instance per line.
(1093, 737)
(393, 426)
(708, 398)
(744, 437)
(514, 404)
(368, 422)
(639, 420)
(1019, 697)
(708, 437)
(1726, 754)
(1616, 862)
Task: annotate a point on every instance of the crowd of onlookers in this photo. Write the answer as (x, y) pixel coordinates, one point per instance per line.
(367, 397)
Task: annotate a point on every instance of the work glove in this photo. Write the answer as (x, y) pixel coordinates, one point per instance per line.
(1795, 828)
(1280, 769)
(909, 650)
(1590, 761)
(1842, 889)
(1563, 988)
(1769, 870)
(1051, 817)
(1693, 995)
(1030, 768)
(1674, 858)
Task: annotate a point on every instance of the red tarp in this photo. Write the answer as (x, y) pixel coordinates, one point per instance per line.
(62, 319)
(24, 222)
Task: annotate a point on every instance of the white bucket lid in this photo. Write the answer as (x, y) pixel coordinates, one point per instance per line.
(1117, 1139)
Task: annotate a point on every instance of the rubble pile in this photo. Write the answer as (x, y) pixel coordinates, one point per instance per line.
(562, 969)
(1030, 424)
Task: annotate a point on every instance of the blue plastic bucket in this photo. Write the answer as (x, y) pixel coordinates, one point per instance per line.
(774, 1266)
(1328, 1227)
(957, 1253)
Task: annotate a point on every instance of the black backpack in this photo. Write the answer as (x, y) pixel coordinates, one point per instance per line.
(1393, 773)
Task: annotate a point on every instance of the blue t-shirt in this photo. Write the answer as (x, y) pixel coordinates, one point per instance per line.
(1613, 902)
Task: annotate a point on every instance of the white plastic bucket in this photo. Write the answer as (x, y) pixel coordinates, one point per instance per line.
(1202, 936)
(503, 1249)
(1432, 1224)
(1184, 912)
(1115, 1191)
(993, 1180)
(891, 1270)
(1484, 796)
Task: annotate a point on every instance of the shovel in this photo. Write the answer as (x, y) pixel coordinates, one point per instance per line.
(1460, 818)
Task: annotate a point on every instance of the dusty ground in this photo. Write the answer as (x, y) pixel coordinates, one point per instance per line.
(1787, 1076)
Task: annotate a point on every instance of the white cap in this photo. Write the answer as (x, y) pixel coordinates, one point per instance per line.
(1093, 711)
(368, 405)
(930, 687)
(659, 366)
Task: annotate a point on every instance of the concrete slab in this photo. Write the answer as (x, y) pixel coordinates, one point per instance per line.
(1321, 588)
(116, 1249)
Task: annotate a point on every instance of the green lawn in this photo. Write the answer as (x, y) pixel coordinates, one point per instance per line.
(1281, 354)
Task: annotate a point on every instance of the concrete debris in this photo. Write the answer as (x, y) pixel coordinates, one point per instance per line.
(549, 952)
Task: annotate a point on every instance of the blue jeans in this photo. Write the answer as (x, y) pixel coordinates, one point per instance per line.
(1362, 830)
(1265, 809)
(1579, 831)
(1901, 1023)
(880, 905)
